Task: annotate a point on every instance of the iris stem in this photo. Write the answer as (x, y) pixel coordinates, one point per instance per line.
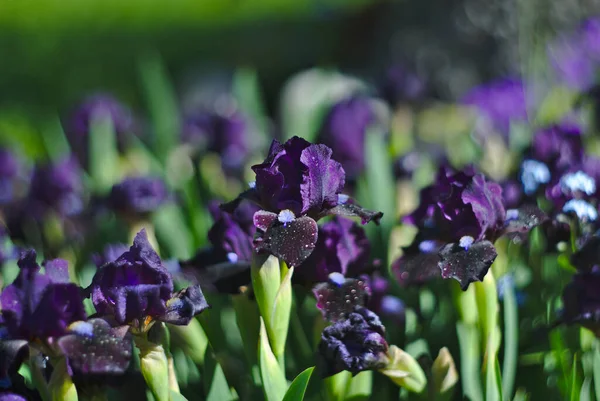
(511, 340)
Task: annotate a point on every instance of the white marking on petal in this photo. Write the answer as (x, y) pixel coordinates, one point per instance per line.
(466, 241)
(582, 209)
(342, 199)
(534, 173)
(337, 279)
(232, 257)
(578, 181)
(252, 184)
(286, 216)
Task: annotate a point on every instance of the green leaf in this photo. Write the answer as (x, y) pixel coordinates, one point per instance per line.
(174, 396)
(246, 90)
(596, 370)
(55, 142)
(468, 340)
(171, 231)
(586, 390)
(191, 339)
(337, 385)
(280, 315)
(248, 321)
(360, 387)
(511, 340)
(273, 377)
(104, 159)
(162, 105)
(61, 386)
(298, 386)
(575, 379)
(215, 382)
(380, 194)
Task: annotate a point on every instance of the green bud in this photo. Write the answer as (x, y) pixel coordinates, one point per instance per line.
(404, 370)
(60, 386)
(154, 367)
(272, 284)
(444, 372)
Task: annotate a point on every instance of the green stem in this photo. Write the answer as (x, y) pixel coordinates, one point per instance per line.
(38, 379)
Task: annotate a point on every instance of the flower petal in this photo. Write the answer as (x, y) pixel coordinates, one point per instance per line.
(339, 296)
(467, 265)
(293, 242)
(186, 304)
(101, 351)
(325, 179)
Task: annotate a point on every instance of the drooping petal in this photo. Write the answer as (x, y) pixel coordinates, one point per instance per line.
(338, 296)
(467, 265)
(293, 241)
(186, 304)
(96, 349)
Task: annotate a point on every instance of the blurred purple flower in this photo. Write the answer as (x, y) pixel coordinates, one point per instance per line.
(137, 290)
(354, 344)
(575, 55)
(226, 135)
(57, 187)
(344, 130)
(11, 397)
(39, 306)
(10, 171)
(558, 146)
(500, 102)
(297, 184)
(77, 126)
(402, 85)
(138, 196)
(342, 246)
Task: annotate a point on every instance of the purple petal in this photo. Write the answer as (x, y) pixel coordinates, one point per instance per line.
(337, 299)
(263, 219)
(293, 242)
(467, 266)
(416, 268)
(186, 304)
(102, 352)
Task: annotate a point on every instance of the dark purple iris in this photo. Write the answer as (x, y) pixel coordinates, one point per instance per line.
(227, 135)
(342, 247)
(383, 303)
(225, 265)
(459, 218)
(138, 196)
(500, 103)
(77, 127)
(344, 130)
(57, 187)
(354, 344)
(460, 204)
(41, 305)
(297, 184)
(137, 289)
(11, 397)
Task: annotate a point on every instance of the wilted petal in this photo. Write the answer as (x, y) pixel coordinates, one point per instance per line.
(293, 242)
(339, 296)
(350, 209)
(96, 349)
(520, 221)
(467, 265)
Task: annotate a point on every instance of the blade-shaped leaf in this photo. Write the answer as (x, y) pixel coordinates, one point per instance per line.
(103, 153)
(298, 386)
